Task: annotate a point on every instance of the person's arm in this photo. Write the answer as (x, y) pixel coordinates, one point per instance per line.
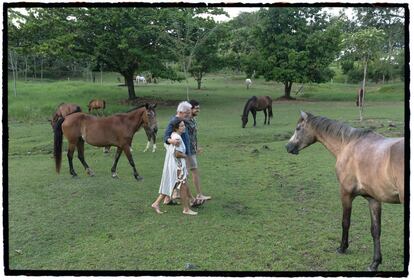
(167, 136)
(179, 154)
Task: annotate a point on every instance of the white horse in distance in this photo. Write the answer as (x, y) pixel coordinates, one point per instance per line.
(140, 79)
(248, 83)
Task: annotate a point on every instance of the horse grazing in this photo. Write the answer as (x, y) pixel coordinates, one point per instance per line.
(141, 79)
(367, 164)
(248, 83)
(96, 104)
(255, 104)
(116, 130)
(63, 110)
(360, 98)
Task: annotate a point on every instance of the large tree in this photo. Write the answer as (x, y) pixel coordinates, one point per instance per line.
(239, 50)
(190, 33)
(297, 45)
(124, 39)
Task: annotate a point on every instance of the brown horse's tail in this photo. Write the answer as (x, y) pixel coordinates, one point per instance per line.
(57, 147)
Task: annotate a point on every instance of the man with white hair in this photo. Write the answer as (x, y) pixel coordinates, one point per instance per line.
(183, 113)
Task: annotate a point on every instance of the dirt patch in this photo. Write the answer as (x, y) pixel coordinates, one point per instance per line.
(235, 207)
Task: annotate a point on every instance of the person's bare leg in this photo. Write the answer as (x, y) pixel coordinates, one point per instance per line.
(156, 204)
(185, 200)
(196, 180)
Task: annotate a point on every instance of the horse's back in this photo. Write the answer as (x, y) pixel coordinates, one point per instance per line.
(263, 102)
(67, 109)
(374, 166)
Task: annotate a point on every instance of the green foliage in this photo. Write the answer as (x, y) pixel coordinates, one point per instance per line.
(297, 45)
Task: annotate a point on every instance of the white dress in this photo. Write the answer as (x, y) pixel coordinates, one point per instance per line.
(175, 170)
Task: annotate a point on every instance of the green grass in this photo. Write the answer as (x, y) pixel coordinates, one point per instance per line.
(270, 211)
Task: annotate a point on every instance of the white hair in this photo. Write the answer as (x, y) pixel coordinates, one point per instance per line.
(183, 106)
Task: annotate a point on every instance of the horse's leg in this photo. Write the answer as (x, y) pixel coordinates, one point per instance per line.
(154, 145)
(71, 150)
(375, 211)
(117, 156)
(106, 149)
(148, 142)
(128, 154)
(346, 199)
(81, 157)
(254, 117)
(265, 113)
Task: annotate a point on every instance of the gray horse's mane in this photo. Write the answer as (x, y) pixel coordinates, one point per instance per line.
(336, 128)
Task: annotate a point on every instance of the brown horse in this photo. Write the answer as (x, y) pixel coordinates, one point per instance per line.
(116, 130)
(63, 110)
(367, 164)
(257, 104)
(96, 104)
(360, 98)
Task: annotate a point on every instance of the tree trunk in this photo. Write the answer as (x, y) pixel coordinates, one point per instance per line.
(41, 69)
(129, 80)
(362, 103)
(34, 67)
(26, 69)
(198, 83)
(14, 72)
(288, 88)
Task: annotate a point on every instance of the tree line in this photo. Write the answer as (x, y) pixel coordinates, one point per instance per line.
(283, 44)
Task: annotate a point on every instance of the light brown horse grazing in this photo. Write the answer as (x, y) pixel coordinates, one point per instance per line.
(254, 104)
(367, 164)
(63, 110)
(96, 104)
(116, 130)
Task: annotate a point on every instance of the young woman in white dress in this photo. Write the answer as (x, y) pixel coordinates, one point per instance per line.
(174, 173)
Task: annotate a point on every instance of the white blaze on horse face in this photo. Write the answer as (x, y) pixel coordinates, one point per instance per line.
(292, 139)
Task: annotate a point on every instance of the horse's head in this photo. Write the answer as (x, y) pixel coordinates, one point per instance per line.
(244, 119)
(303, 136)
(151, 118)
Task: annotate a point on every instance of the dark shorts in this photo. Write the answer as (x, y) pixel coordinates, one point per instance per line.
(192, 162)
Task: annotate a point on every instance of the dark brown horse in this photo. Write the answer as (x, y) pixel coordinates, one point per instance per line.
(360, 98)
(367, 164)
(254, 104)
(96, 104)
(116, 130)
(63, 110)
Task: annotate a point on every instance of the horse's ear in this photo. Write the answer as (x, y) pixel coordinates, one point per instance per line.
(303, 115)
(154, 105)
(146, 105)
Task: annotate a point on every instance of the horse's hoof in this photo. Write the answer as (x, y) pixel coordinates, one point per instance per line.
(139, 178)
(115, 176)
(74, 175)
(340, 250)
(372, 268)
(90, 172)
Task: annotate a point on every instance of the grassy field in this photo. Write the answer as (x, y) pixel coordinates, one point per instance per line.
(270, 211)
